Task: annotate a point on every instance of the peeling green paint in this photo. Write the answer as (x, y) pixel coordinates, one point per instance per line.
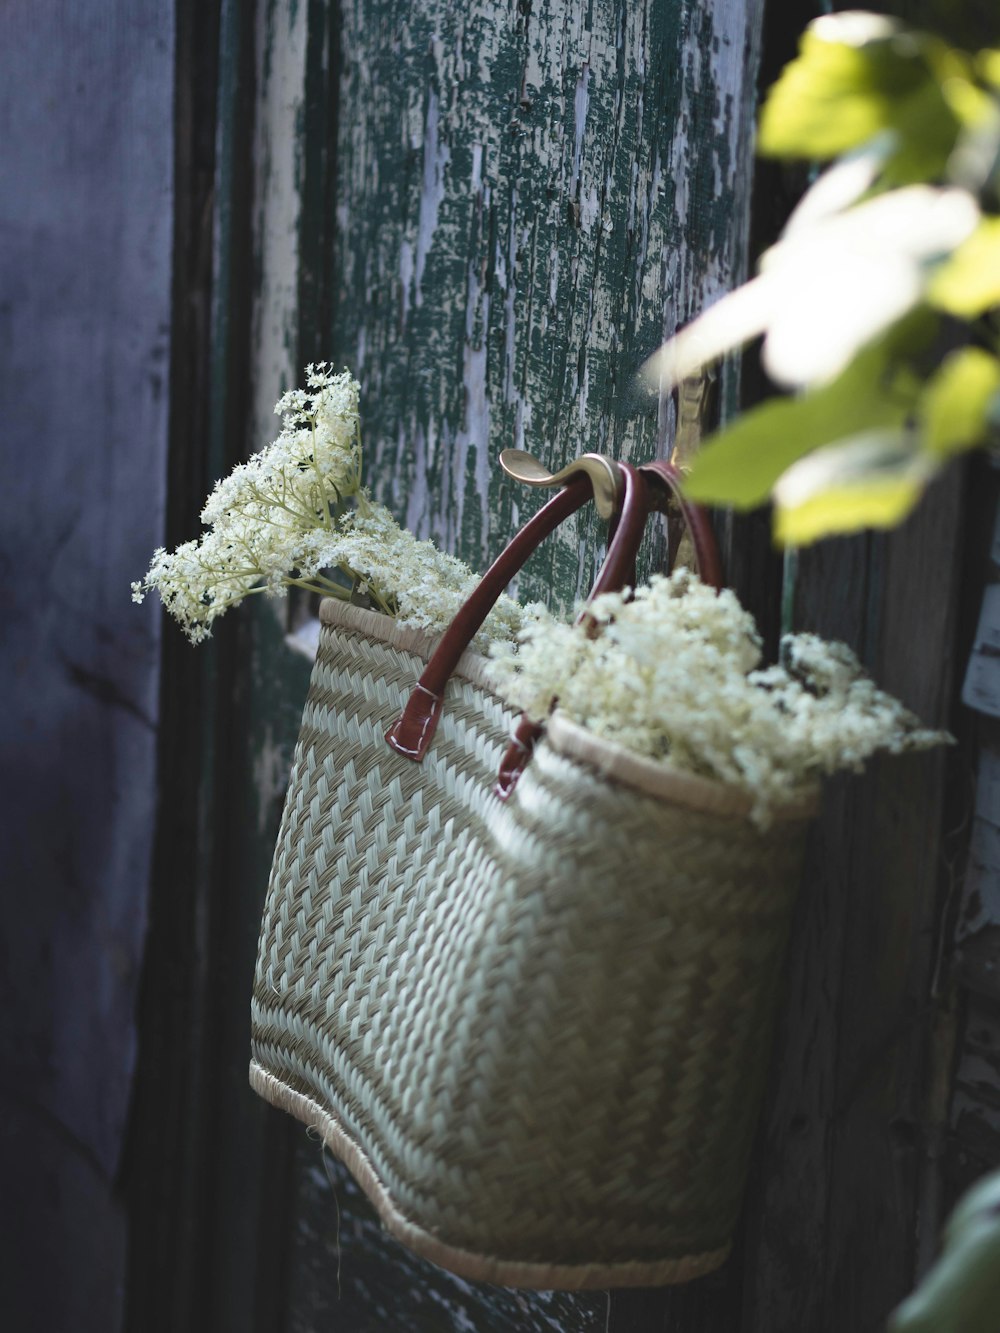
(529, 195)
(527, 203)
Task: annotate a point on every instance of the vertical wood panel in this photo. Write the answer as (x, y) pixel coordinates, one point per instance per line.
(529, 197)
(848, 1132)
(164, 1172)
(972, 1144)
(85, 211)
(279, 152)
(202, 1162)
(86, 227)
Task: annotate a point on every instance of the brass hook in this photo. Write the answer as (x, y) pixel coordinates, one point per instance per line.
(604, 475)
(696, 407)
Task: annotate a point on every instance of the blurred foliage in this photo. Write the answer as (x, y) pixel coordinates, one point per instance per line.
(839, 94)
(879, 303)
(961, 1293)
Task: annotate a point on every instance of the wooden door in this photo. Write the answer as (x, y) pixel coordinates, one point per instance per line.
(522, 201)
(490, 213)
(85, 262)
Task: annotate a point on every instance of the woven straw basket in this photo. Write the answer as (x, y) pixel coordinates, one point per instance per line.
(535, 1029)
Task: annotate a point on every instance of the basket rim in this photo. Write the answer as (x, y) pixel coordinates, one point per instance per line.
(660, 778)
(653, 777)
(472, 666)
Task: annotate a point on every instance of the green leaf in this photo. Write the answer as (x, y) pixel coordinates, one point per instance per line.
(856, 76)
(988, 65)
(968, 284)
(961, 1293)
(871, 481)
(740, 465)
(956, 407)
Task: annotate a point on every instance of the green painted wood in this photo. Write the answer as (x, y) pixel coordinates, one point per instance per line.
(513, 218)
(529, 196)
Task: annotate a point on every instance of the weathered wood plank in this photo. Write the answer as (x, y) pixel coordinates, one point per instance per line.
(529, 197)
(520, 218)
(974, 1141)
(86, 252)
(85, 216)
(62, 1262)
(164, 1174)
(281, 45)
(847, 1133)
(982, 681)
(260, 685)
(979, 914)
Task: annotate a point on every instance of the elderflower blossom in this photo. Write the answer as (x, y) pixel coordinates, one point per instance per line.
(282, 518)
(674, 674)
(409, 579)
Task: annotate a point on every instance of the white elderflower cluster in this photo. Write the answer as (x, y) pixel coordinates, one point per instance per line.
(673, 674)
(297, 515)
(409, 579)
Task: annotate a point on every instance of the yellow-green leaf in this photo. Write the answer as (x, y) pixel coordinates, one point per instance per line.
(872, 481)
(740, 464)
(855, 76)
(956, 406)
(988, 65)
(825, 102)
(968, 283)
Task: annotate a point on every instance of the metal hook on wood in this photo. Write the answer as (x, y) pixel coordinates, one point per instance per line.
(604, 474)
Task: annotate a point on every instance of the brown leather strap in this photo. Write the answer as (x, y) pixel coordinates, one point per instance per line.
(412, 732)
(650, 488)
(617, 572)
(661, 485)
(667, 480)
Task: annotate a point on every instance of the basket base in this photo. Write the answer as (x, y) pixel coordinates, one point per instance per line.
(465, 1263)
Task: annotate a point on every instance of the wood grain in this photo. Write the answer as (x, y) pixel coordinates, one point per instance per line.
(847, 1134)
(519, 218)
(529, 197)
(85, 217)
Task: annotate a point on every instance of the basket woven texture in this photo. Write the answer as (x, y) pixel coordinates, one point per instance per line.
(536, 1031)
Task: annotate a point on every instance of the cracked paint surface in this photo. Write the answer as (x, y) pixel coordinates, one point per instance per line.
(530, 197)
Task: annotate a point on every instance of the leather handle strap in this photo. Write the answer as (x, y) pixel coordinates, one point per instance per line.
(650, 488)
(667, 481)
(661, 485)
(413, 730)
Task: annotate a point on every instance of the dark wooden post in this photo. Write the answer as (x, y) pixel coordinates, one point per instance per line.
(85, 214)
(523, 201)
